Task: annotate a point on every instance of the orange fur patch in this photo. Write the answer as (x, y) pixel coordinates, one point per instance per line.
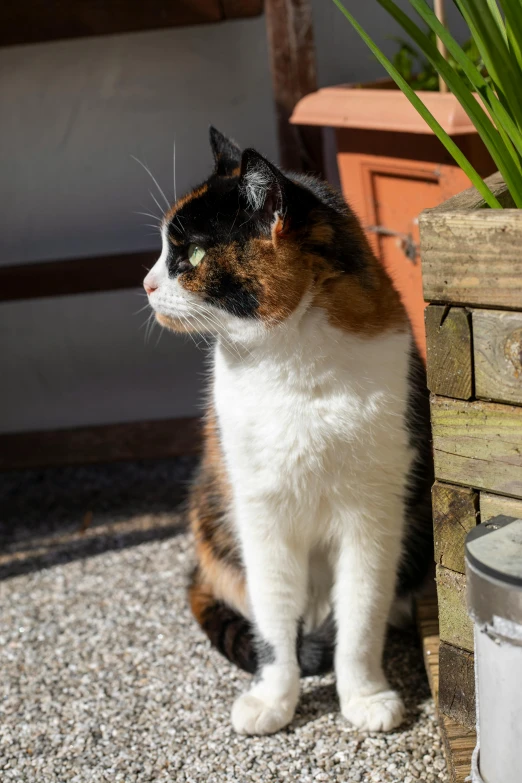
(176, 324)
(364, 307)
(216, 547)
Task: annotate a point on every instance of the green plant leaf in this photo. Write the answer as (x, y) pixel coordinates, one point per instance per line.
(441, 134)
(513, 13)
(501, 65)
(499, 145)
(511, 134)
(508, 152)
(495, 107)
(497, 16)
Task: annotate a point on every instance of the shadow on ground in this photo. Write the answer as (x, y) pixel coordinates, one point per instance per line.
(106, 676)
(57, 515)
(404, 668)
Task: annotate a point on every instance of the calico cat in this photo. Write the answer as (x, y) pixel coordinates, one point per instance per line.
(311, 510)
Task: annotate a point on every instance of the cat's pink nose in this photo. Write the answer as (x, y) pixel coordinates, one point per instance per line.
(149, 284)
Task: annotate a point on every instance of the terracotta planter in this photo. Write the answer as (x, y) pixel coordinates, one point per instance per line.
(392, 167)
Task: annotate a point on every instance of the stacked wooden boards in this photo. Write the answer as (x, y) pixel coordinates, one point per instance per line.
(472, 277)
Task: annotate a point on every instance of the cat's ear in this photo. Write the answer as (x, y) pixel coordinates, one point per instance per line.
(262, 185)
(227, 155)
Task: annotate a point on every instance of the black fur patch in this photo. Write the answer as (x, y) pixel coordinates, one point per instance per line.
(418, 537)
(227, 291)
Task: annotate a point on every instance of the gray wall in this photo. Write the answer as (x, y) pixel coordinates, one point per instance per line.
(73, 113)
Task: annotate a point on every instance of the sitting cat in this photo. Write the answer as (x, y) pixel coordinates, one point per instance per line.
(311, 511)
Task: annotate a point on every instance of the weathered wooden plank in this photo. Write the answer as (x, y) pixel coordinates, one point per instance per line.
(290, 33)
(473, 257)
(105, 443)
(493, 505)
(449, 351)
(455, 512)
(459, 744)
(456, 627)
(457, 684)
(428, 625)
(478, 444)
(497, 350)
(459, 741)
(469, 253)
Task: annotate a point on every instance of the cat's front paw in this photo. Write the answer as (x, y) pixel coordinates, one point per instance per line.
(381, 711)
(252, 715)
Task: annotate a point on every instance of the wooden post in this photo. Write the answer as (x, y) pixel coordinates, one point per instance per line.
(440, 13)
(449, 350)
(292, 58)
(472, 275)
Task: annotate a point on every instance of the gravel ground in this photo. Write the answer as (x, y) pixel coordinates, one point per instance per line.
(105, 676)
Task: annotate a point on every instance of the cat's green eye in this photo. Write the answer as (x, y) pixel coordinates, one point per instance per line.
(196, 254)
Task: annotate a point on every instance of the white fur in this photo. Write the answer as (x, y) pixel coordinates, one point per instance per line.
(256, 181)
(313, 431)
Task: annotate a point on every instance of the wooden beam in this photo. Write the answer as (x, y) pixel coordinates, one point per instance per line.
(459, 744)
(455, 513)
(32, 21)
(292, 58)
(449, 351)
(74, 276)
(497, 348)
(459, 741)
(493, 505)
(428, 624)
(478, 444)
(457, 684)
(456, 627)
(106, 443)
(471, 255)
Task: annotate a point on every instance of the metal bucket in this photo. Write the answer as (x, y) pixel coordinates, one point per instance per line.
(494, 587)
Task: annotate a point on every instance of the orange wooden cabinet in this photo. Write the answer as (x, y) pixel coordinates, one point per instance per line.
(392, 167)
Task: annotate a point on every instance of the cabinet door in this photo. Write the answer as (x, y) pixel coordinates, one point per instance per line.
(388, 195)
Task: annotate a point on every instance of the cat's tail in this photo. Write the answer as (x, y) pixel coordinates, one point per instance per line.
(233, 635)
(228, 631)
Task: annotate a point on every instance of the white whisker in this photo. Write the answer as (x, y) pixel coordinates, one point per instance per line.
(153, 179)
(201, 334)
(155, 200)
(174, 169)
(150, 215)
(151, 320)
(222, 331)
(184, 319)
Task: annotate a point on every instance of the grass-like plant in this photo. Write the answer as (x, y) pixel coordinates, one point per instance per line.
(492, 98)
(419, 72)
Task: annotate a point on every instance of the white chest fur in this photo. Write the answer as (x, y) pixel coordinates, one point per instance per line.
(315, 413)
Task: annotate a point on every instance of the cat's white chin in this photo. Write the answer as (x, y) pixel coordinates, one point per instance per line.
(175, 324)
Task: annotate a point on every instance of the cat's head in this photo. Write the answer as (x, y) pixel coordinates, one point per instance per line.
(249, 247)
